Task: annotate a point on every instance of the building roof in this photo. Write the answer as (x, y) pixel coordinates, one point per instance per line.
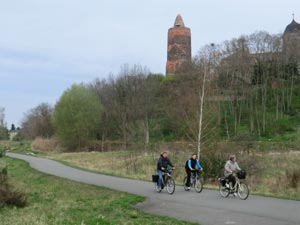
(179, 21)
(292, 27)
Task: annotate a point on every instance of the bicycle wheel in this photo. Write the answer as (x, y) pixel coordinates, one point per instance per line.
(224, 191)
(184, 184)
(198, 185)
(170, 185)
(243, 191)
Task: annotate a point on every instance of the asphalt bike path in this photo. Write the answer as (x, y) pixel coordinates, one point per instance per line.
(207, 207)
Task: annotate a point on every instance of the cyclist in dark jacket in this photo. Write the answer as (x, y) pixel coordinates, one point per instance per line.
(191, 165)
(162, 166)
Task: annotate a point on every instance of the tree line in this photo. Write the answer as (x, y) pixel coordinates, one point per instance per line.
(244, 88)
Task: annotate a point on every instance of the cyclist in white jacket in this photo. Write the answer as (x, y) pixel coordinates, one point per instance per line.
(231, 167)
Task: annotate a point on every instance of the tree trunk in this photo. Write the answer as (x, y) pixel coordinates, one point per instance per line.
(201, 96)
(146, 132)
(102, 142)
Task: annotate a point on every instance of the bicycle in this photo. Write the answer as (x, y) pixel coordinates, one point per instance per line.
(240, 188)
(167, 181)
(195, 182)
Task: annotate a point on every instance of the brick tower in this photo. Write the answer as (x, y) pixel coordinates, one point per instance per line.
(179, 46)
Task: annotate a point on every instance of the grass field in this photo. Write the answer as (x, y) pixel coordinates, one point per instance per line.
(268, 172)
(279, 177)
(268, 179)
(53, 200)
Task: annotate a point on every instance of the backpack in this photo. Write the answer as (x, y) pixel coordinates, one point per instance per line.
(186, 164)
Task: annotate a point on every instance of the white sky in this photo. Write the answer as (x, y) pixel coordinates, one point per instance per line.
(47, 45)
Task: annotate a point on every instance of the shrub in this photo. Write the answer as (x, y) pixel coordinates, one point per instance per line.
(12, 198)
(250, 163)
(281, 126)
(3, 133)
(44, 144)
(7, 195)
(2, 151)
(213, 165)
(293, 177)
(18, 137)
(3, 175)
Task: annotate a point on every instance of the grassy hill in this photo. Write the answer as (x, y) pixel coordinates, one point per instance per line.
(53, 200)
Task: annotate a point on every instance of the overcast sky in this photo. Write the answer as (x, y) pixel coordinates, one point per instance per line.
(48, 45)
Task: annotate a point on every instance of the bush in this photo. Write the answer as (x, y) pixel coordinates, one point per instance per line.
(250, 163)
(18, 137)
(293, 177)
(3, 133)
(3, 175)
(44, 144)
(7, 195)
(281, 126)
(2, 151)
(12, 198)
(213, 165)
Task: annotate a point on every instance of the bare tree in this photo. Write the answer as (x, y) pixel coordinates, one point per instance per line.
(37, 122)
(130, 101)
(3, 129)
(2, 117)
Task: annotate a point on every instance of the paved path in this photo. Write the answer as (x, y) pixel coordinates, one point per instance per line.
(207, 208)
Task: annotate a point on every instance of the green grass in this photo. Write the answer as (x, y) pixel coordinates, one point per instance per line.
(272, 179)
(266, 170)
(128, 164)
(53, 200)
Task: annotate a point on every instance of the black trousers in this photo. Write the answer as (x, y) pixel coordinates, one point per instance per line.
(188, 180)
(189, 174)
(231, 179)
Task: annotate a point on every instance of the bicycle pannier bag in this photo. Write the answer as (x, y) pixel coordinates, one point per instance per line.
(154, 178)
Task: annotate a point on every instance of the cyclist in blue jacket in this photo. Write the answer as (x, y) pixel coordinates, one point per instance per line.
(191, 165)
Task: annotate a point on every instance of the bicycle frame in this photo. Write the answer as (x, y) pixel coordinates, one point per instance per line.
(166, 181)
(237, 182)
(167, 175)
(195, 181)
(238, 188)
(194, 176)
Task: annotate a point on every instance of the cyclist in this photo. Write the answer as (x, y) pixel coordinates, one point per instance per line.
(191, 165)
(231, 167)
(162, 166)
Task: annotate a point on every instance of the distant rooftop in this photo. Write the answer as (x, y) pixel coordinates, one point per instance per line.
(292, 27)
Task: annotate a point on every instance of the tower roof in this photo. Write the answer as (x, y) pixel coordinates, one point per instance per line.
(292, 27)
(179, 21)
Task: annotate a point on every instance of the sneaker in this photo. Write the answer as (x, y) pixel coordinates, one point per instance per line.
(227, 185)
(188, 188)
(234, 194)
